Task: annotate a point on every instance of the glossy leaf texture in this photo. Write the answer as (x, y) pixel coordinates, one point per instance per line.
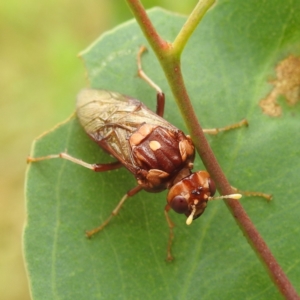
(227, 65)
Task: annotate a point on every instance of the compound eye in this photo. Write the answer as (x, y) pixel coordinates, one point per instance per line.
(179, 204)
(212, 187)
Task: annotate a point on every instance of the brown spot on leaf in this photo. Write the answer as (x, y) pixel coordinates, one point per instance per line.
(286, 84)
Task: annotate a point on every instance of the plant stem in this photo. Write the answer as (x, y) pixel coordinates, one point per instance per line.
(169, 58)
(154, 39)
(190, 25)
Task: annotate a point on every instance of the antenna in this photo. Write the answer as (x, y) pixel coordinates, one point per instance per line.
(231, 196)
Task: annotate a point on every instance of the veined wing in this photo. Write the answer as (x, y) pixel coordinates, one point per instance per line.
(110, 118)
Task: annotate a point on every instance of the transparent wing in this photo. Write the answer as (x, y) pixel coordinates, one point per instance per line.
(110, 118)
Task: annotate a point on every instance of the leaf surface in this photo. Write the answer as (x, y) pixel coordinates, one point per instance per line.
(227, 66)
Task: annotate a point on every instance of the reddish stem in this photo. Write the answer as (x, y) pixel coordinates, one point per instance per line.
(154, 39)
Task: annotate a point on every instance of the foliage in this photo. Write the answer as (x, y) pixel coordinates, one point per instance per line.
(226, 65)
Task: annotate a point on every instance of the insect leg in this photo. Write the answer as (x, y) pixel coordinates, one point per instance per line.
(171, 233)
(160, 96)
(130, 193)
(253, 194)
(94, 167)
(160, 104)
(244, 122)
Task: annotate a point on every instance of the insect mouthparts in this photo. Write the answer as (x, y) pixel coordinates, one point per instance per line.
(190, 218)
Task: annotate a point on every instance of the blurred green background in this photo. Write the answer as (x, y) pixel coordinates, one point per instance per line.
(40, 76)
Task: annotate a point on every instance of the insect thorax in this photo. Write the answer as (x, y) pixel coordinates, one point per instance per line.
(160, 154)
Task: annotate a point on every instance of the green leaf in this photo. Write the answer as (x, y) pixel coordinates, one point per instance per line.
(227, 66)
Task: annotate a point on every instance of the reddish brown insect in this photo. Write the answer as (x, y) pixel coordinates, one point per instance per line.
(157, 153)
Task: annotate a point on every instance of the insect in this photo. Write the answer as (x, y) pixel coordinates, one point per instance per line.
(157, 153)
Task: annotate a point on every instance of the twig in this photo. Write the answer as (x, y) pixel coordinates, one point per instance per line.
(191, 24)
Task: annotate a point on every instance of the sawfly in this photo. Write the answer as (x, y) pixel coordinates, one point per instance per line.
(158, 154)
